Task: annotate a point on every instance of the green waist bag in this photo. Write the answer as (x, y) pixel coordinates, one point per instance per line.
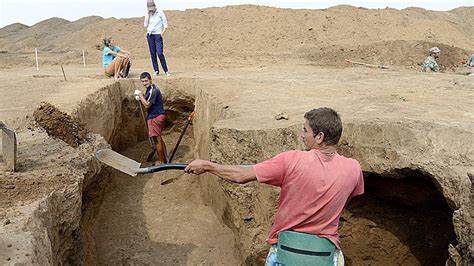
(304, 249)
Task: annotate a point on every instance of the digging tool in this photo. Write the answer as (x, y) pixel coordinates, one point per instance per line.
(367, 65)
(152, 153)
(131, 167)
(9, 146)
(188, 121)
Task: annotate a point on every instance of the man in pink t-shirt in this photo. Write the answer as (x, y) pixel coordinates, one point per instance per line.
(316, 184)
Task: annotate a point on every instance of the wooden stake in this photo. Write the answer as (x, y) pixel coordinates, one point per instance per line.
(83, 58)
(36, 56)
(64, 74)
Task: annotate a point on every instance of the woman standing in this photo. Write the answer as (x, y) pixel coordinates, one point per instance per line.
(116, 61)
(156, 24)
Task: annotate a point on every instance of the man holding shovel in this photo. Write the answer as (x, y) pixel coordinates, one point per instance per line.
(153, 102)
(316, 185)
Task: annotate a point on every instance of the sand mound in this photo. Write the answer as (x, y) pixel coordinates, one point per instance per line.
(60, 125)
(399, 53)
(326, 36)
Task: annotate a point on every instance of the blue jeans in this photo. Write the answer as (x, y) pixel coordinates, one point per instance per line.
(155, 43)
(272, 257)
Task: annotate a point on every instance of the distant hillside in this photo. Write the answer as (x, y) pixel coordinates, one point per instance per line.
(325, 37)
(12, 28)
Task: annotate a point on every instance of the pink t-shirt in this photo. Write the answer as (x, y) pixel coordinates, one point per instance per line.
(314, 190)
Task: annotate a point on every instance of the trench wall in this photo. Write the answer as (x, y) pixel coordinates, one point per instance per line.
(437, 150)
(383, 148)
(57, 227)
(55, 221)
(53, 225)
(113, 113)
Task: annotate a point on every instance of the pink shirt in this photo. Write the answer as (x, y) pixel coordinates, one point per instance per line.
(314, 190)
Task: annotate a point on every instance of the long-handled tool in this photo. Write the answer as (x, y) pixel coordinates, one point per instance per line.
(188, 121)
(131, 167)
(367, 65)
(152, 153)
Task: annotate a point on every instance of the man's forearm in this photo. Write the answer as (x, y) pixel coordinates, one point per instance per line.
(233, 173)
(145, 103)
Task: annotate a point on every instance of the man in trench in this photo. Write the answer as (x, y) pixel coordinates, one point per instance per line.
(316, 185)
(153, 102)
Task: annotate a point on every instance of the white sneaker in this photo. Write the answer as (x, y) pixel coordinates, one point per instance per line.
(156, 73)
(167, 74)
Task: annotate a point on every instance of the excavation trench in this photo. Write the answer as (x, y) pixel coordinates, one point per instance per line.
(175, 219)
(156, 218)
(170, 218)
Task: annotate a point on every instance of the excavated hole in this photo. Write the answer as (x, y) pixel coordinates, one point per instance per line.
(398, 221)
(402, 219)
(134, 219)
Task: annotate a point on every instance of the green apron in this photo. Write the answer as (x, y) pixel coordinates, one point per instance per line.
(304, 249)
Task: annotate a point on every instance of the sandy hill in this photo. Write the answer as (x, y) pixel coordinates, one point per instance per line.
(12, 28)
(322, 37)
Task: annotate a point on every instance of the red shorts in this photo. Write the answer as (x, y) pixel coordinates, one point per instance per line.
(155, 126)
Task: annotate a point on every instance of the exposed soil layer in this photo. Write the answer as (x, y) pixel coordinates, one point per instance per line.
(60, 125)
(398, 222)
(157, 218)
(40, 205)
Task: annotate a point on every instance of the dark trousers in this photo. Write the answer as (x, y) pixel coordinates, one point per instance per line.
(155, 43)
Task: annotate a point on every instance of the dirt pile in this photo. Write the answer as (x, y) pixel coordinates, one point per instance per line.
(390, 53)
(60, 125)
(327, 36)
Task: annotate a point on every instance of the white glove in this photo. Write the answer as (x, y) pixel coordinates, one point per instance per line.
(137, 97)
(137, 92)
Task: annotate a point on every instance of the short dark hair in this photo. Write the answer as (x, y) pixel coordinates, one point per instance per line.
(145, 75)
(325, 120)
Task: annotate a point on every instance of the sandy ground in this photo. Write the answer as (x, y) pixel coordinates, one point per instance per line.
(160, 218)
(152, 216)
(257, 76)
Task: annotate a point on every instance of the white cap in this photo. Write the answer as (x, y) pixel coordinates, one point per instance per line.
(435, 50)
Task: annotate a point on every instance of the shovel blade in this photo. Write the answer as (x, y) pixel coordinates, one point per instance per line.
(118, 161)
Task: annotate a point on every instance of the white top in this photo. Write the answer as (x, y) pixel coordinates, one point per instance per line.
(155, 23)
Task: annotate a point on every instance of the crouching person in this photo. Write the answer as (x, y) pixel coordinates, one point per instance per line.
(115, 61)
(430, 64)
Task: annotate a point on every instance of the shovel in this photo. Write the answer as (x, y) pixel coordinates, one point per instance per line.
(131, 167)
(188, 121)
(152, 153)
(367, 65)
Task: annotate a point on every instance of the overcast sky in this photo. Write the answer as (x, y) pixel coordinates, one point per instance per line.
(30, 12)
